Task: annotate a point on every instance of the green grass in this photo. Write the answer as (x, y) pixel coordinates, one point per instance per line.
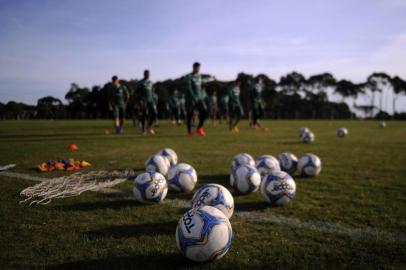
(362, 185)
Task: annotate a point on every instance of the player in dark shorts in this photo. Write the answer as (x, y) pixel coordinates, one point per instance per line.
(223, 108)
(174, 107)
(213, 106)
(147, 104)
(118, 100)
(235, 109)
(194, 101)
(256, 102)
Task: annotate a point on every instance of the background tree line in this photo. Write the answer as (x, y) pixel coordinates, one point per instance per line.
(293, 97)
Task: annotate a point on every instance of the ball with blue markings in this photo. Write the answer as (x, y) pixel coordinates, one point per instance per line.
(157, 163)
(214, 195)
(308, 137)
(278, 188)
(245, 179)
(267, 164)
(170, 155)
(288, 162)
(309, 165)
(182, 178)
(242, 159)
(302, 131)
(150, 187)
(342, 132)
(204, 234)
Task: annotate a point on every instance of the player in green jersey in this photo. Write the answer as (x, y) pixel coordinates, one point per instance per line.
(119, 98)
(194, 100)
(235, 109)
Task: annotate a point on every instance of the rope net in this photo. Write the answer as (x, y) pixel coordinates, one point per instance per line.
(73, 185)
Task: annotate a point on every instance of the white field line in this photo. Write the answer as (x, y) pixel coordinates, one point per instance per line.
(23, 176)
(260, 217)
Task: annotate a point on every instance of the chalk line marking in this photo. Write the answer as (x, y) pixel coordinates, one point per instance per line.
(23, 176)
(259, 217)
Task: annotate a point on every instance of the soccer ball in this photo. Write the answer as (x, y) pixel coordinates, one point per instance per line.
(342, 132)
(157, 163)
(182, 177)
(170, 155)
(309, 165)
(150, 187)
(245, 179)
(288, 162)
(267, 164)
(308, 137)
(278, 188)
(382, 124)
(302, 131)
(242, 159)
(214, 195)
(204, 234)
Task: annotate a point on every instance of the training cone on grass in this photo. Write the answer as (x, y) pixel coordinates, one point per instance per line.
(106, 131)
(72, 147)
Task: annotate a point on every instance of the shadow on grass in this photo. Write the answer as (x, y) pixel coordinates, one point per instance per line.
(132, 230)
(153, 261)
(251, 206)
(222, 179)
(90, 206)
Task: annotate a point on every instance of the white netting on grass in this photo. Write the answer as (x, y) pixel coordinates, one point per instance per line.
(73, 185)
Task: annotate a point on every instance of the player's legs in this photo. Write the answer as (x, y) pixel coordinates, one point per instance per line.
(151, 118)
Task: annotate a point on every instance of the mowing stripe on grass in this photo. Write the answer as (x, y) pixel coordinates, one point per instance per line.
(260, 217)
(325, 227)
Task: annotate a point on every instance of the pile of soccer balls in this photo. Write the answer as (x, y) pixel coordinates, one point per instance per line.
(204, 232)
(306, 135)
(162, 172)
(272, 176)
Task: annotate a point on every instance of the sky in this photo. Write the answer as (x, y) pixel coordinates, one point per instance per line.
(47, 45)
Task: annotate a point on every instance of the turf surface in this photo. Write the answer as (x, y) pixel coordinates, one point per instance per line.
(362, 187)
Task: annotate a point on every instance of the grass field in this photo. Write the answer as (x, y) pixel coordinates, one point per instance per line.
(352, 216)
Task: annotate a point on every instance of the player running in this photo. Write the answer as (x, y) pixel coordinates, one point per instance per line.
(194, 101)
(256, 102)
(118, 100)
(147, 104)
(235, 109)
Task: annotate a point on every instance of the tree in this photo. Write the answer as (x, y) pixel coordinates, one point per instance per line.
(292, 83)
(50, 108)
(347, 89)
(78, 101)
(378, 82)
(399, 87)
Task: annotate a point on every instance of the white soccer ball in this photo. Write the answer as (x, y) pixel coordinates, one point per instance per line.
(170, 155)
(288, 162)
(214, 195)
(382, 124)
(245, 179)
(278, 188)
(204, 234)
(342, 132)
(182, 177)
(150, 187)
(157, 163)
(242, 159)
(308, 137)
(309, 165)
(267, 164)
(302, 131)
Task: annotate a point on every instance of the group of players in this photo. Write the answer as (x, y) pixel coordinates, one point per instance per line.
(195, 104)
